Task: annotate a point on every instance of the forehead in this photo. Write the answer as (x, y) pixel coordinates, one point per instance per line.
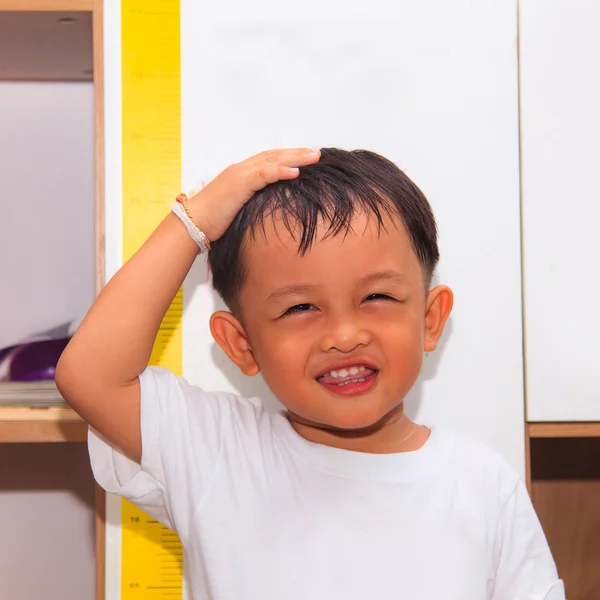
(272, 259)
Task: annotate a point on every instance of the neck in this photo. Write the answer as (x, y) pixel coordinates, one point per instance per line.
(395, 432)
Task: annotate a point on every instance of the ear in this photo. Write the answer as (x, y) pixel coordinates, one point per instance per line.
(437, 310)
(230, 334)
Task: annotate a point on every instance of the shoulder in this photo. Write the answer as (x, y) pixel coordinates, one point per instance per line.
(480, 465)
(182, 400)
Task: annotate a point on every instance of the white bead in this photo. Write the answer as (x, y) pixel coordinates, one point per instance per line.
(194, 232)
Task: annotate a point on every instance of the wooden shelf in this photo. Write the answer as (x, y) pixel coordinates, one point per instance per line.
(46, 5)
(563, 430)
(26, 425)
(565, 488)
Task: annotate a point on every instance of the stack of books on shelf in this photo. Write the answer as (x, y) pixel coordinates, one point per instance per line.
(38, 394)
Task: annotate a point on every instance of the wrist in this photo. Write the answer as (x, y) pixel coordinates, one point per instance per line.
(188, 215)
(203, 214)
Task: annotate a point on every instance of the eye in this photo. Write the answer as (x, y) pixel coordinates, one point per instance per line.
(299, 308)
(372, 297)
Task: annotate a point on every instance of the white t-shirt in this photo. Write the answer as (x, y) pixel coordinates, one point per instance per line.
(263, 514)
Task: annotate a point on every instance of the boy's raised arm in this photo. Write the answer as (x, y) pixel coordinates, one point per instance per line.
(98, 371)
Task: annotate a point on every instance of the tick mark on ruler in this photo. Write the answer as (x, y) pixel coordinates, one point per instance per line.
(163, 587)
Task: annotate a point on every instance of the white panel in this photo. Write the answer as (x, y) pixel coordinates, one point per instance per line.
(113, 138)
(46, 206)
(47, 522)
(113, 172)
(433, 86)
(560, 97)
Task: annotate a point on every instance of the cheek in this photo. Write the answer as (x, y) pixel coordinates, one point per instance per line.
(404, 327)
(408, 338)
(402, 340)
(282, 359)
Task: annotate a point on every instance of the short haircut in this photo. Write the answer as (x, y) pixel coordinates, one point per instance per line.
(330, 191)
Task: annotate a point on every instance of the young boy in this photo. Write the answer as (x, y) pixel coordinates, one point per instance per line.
(327, 274)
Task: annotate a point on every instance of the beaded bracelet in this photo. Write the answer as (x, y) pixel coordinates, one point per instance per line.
(181, 210)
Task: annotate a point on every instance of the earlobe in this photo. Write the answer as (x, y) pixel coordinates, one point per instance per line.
(230, 334)
(438, 307)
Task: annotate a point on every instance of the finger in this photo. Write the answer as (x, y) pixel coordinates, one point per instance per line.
(290, 157)
(261, 176)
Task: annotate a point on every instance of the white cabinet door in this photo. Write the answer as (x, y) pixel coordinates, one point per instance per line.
(46, 206)
(560, 117)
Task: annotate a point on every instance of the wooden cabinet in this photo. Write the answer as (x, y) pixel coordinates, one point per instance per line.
(50, 509)
(560, 128)
(565, 489)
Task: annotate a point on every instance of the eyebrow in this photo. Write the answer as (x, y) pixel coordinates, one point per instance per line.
(389, 275)
(300, 289)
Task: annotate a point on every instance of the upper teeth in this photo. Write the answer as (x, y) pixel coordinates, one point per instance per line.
(345, 372)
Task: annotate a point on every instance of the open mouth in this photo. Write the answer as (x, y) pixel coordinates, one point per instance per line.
(351, 381)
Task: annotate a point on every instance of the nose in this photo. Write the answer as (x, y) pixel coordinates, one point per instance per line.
(344, 334)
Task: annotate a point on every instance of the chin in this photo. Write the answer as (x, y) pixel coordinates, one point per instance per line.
(351, 420)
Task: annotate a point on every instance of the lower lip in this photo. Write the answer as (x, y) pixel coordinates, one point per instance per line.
(356, 388)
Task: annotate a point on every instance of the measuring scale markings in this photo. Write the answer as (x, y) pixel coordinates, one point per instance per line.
(152, 555)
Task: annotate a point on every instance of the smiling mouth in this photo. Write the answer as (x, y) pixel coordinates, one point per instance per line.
(349, 382)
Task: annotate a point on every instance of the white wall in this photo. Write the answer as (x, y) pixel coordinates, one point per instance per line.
(433, 86)
(46, 206)
(560, 97)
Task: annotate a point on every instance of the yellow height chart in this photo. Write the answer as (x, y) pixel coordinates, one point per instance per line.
(151, 554)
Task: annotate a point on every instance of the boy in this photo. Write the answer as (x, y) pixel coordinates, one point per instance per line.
(327, 274)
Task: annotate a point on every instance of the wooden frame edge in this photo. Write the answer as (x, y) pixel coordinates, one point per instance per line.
(563, 429)
(96, 8)
(528, 460)
(99, 176)
(100, 546)
(41, 425)
(99, 235)
(47, 5)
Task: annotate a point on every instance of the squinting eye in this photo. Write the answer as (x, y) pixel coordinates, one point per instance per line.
(298, 309)
(378, 297)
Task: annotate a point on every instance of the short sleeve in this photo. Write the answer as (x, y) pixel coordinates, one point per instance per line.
(182, 430)
(525, 569)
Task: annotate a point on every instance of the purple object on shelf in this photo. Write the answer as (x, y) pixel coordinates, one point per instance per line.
(35, 361)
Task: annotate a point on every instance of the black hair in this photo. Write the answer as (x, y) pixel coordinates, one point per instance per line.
(330, 191)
